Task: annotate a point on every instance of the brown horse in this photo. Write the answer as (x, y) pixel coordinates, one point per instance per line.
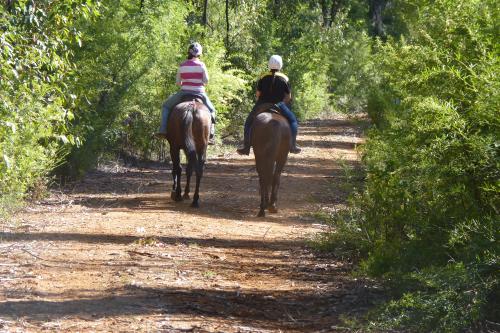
(188, 128)
(271, 137)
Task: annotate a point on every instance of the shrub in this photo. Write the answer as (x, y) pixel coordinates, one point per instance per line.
(429, 213)
(35, 106)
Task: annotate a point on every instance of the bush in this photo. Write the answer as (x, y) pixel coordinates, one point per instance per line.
(429, 213)
(35, 105)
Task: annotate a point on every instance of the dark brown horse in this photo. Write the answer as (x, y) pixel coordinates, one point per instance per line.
(271, 137)
(188, 128)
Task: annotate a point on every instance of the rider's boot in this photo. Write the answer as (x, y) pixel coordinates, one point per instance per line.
(295, 149)
(211, 139)
(245, 150)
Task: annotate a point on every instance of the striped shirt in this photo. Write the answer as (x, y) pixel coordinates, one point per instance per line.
(192, 75)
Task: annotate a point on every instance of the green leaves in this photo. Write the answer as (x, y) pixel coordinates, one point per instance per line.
(35, 68)
(430, 208)
(7, 161)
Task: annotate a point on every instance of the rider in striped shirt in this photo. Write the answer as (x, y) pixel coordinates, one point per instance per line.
(192, 76)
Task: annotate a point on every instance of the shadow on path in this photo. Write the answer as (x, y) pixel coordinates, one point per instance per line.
(260, 309)
(125, 239)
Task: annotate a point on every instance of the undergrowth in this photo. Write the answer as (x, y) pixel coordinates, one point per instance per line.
(427, 220)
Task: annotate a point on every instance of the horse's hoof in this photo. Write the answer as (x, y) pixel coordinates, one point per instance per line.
(261, 213)
(195, 205)
(185, 196)
(272, 209)
(175, 196)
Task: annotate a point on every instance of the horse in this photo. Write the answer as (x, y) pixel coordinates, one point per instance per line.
(188, 128)
(271, 137)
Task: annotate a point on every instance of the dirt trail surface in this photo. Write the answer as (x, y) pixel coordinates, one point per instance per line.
(114, 253)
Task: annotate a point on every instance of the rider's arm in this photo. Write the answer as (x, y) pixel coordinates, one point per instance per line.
(287, 98)
(178, 77)
(257, 94)
(205, 74)
(258, 90)
(288, 92)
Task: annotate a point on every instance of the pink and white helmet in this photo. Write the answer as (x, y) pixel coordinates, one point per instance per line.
(195, 49)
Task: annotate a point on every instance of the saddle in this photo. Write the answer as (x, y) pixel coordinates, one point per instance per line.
(191, 97)
(267, 107)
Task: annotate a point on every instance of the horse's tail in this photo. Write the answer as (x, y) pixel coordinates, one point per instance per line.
(187, 126)
(272, 145)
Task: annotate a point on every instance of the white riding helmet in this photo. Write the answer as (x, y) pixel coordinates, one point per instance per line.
(275, 62)
(195, 49)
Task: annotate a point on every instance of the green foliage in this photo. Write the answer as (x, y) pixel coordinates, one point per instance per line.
(79, 79)
(123, 77)
(346, 239)
(350, 68)
(35, 104)
(429, 213)
(127, 70)
(447, 299)
(227, 85)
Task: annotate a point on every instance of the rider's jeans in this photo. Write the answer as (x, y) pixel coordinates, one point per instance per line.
(290, 116)
(175, 99)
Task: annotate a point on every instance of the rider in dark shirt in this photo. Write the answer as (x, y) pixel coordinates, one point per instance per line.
(273, 87)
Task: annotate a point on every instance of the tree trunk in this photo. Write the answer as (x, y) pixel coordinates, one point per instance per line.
(336, 5)
(324, 13)
(205, 14)
(329, 11)
(8, 5)
(277, 8)
(227, 24)
(376, 10)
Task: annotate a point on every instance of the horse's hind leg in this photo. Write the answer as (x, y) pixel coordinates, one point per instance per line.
(199, 174)
(176, 174)
(189, 172)
(265, 172)
(276, 185)
(263, 197)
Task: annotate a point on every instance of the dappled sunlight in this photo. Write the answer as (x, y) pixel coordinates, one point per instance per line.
(115, 248)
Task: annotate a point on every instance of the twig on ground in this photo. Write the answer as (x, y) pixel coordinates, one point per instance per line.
(37, 257)
(131, 252)
(266, 232)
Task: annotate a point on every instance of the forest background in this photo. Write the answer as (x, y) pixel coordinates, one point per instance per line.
(82, 81)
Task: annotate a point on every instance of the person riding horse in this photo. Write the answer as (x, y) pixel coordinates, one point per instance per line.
(192, 76)
(273, 87)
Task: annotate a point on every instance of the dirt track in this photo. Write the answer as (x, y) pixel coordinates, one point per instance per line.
(115, 254)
